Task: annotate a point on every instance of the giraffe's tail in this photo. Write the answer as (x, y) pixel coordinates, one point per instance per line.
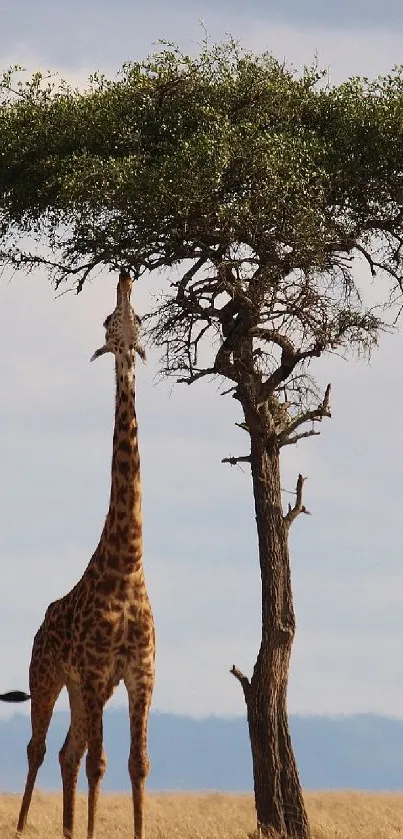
(14, 696)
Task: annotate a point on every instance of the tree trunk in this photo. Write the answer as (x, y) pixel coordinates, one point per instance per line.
(280, 807)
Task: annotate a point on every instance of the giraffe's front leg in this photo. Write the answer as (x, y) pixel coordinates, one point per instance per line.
(70, 756)
(96, 760)
(140, 694)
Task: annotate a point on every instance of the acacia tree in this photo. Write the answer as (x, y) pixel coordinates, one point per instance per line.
(259, 187)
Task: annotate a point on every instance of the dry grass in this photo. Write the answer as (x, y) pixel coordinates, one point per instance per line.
(335, 815)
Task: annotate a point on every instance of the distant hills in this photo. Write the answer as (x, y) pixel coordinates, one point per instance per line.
(362, 751)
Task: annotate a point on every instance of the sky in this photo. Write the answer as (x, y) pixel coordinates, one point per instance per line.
(56, 422)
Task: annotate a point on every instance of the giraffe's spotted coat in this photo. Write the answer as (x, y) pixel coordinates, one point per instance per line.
(102, 631)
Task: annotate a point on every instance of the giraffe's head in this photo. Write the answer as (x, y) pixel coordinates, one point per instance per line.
(123, 325)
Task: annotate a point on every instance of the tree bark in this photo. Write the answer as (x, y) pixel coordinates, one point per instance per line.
(280, 807)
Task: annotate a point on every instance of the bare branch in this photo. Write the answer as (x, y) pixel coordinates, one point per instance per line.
(288, 441)
(234, 460)
(244, 681)
(367, 256)
(29, 260)
(314, 415)
(298, 507)
(209, 371)
(188, 275)
(274, 337)
(229, 390)
(243, 426)
(289, 359)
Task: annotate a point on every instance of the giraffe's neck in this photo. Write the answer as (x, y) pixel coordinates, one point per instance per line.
(121, 541)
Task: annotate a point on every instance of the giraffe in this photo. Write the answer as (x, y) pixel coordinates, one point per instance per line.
(102, 631)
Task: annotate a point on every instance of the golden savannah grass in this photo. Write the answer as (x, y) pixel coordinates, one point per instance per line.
(333, 815)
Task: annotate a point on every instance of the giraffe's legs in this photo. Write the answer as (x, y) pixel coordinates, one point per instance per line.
(46, 685)
(70, 756)
(96, 760)
(139, 765)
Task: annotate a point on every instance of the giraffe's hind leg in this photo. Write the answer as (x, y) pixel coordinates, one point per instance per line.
(46, 683)
(94, 701)
(71, 754)
(140, 693)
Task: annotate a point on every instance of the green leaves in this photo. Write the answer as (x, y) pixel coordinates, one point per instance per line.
(182, 153)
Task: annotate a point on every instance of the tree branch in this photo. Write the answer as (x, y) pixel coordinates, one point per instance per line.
(298, 507)
(244, 681)
(289, 359)
(231, 389)
(243, 426)
(19, 260)
(234, 460)
(367, 256)
(188, 275)
(314, 415)
(274, 337)
(209, 371)
(290, 440)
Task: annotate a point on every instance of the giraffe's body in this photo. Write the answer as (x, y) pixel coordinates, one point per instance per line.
(102, 631)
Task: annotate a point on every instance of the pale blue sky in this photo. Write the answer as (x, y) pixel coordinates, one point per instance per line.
(56, 414)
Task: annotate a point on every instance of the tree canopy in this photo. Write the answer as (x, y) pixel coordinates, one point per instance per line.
(183, 155)
(225, 159)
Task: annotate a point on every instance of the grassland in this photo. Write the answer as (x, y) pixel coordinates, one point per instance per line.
(335, 815)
